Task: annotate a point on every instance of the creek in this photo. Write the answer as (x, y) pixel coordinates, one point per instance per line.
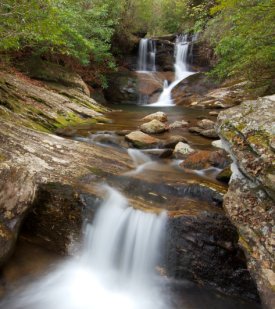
(121, 263)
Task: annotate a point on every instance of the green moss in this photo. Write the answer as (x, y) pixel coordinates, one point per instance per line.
(259, 138)
(2, 157)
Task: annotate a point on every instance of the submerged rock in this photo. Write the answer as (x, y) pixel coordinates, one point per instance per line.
(153, 127)
(248, 131)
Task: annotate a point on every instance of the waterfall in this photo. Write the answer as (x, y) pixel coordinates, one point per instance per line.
(116, 268)
(147, 55)
(181, 71)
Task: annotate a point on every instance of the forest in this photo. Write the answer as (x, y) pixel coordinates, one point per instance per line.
(81, 32)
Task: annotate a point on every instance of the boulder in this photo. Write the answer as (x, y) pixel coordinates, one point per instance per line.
(206, 124)
(248, 133)
(160, 116)
(178, 124)
(203, 159)
(182, 150)
(153, 127)
(211, 133)
(142, 140)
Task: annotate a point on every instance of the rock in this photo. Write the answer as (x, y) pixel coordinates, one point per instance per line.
(224, 175)
(206, 124)
(153, 127)
(167, 153)
(142, 140)
(17, 191)
(172, 141)
(248, 131)
(29, 158)
(217, 144)
(195, 130)
(52, 72)
(122, 88)
(213, 113)
(211, 133)
(56, 219)
(203, 159)
(178, 124)
(182, 150)
(160, 116)
(44, 107)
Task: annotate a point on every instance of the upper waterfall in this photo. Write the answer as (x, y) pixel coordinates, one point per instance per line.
(147, 55)
(181, 71)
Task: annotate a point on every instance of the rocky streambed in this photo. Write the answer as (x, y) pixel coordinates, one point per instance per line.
(160, 160)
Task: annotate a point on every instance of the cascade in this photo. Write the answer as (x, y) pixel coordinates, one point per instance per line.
(181, 71)
(116, 268)
(147, 55)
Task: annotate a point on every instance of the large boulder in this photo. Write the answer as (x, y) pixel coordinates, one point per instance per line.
(248, 133)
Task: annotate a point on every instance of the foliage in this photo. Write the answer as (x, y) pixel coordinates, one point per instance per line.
(242, 33)
(74, 28)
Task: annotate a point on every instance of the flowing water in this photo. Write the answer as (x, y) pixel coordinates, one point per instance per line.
(181, 71)
(116, 268)
(147, 55)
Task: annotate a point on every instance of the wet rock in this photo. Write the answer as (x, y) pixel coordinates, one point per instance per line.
(160, 116)
(17, 191)
(172, 141)
(178, 124)
(166, 153)
(204, 249)
(206, 124)
(142, 140)
(182, 150)
(248, 131)
(57, 217)
(204, 159)
(225, 175)
(211, 133)
(153, 127)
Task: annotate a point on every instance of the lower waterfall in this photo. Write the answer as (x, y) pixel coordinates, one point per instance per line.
(116, 268)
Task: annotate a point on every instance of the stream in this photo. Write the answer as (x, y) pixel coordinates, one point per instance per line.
(121, 263)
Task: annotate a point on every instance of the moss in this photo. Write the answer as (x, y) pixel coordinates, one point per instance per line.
(259, 138)
(2, 157)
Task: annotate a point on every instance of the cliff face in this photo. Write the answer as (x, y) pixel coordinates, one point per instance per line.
(248, 133)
